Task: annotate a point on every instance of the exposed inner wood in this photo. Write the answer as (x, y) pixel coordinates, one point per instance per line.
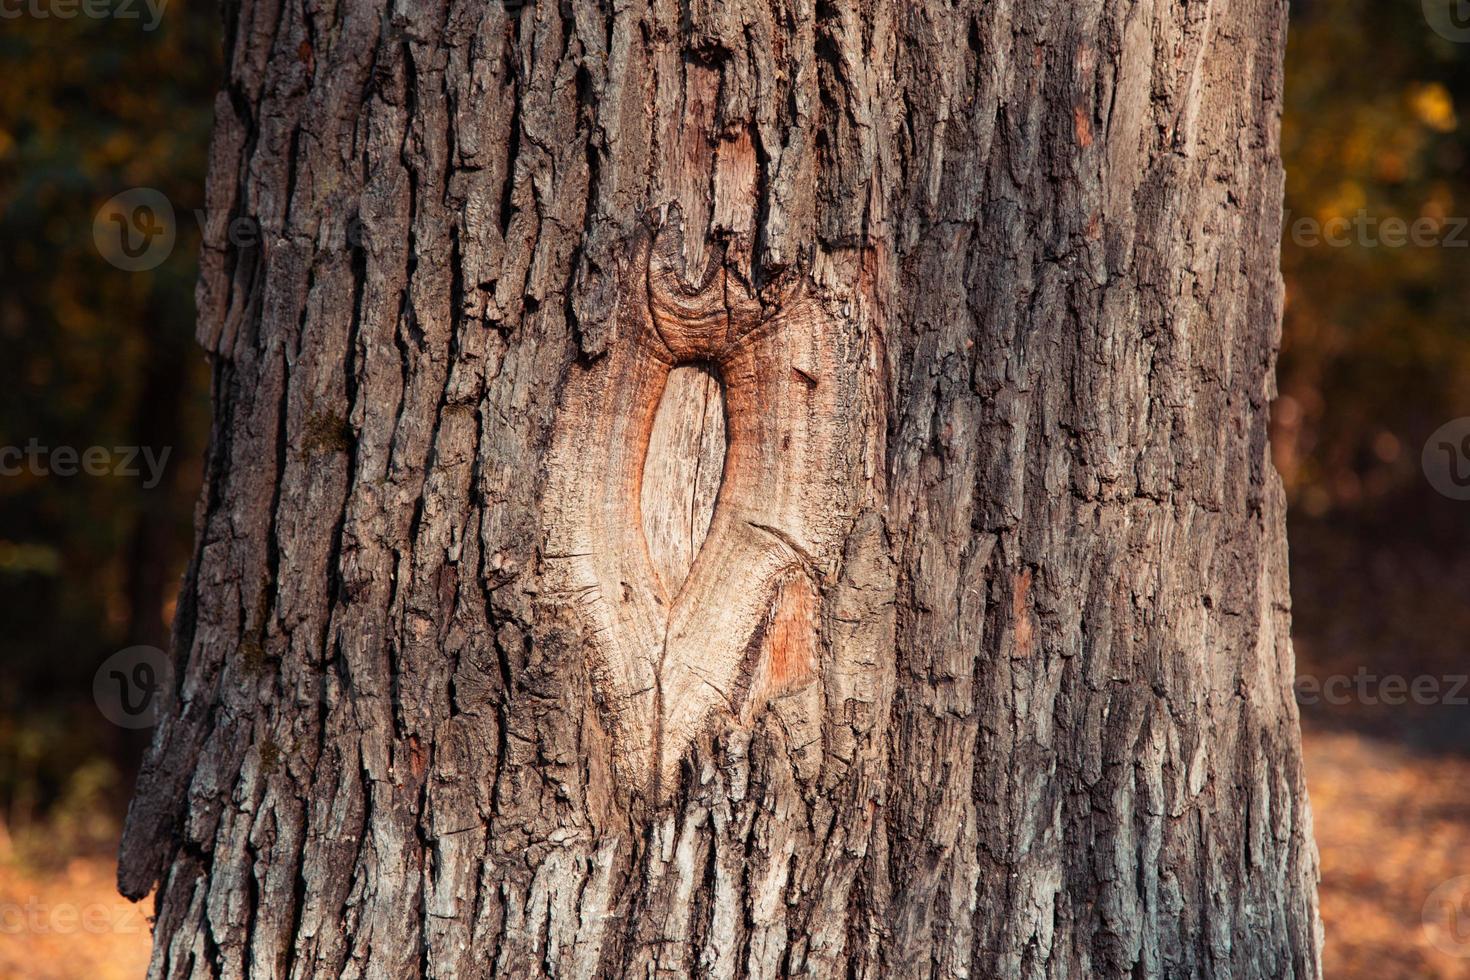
(788, 654)
(681, 475)
(680, 629)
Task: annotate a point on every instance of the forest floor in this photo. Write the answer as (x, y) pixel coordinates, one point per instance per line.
(1393, 830)
(67, 921)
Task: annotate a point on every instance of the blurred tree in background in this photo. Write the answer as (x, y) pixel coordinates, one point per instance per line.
(1376, 353)
(1376, 350)
(93, 356)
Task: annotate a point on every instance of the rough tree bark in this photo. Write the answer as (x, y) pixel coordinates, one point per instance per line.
(929, 346)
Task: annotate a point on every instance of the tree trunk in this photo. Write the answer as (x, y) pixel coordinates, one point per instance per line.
(738, 489)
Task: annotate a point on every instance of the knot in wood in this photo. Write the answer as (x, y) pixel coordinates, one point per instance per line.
(669, 652)
(697, 322)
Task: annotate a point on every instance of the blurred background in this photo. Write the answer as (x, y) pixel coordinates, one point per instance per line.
(1375, 359)
(90, 355)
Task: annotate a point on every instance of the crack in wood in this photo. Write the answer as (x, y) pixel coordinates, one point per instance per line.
(683, 471)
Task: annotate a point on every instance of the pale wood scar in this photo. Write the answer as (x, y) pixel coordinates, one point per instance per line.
(681, 628)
